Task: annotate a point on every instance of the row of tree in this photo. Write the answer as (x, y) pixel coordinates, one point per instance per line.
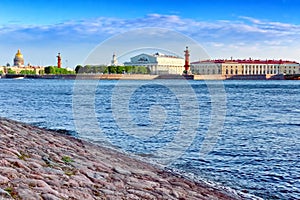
(56, 70)
(88, 69)
(47, 70)
(27, 72)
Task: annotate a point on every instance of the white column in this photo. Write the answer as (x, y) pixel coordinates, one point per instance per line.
(259, 69)
(271, 69)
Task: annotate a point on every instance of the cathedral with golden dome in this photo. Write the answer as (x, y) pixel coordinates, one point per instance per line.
(19, 60)
(18, 66)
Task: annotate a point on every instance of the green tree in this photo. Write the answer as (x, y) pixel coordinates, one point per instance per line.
(141, 70)
(79, 69)
(128, 69)
(87, 69)
(50, 70)
(120, 69)
(10, 71)
(112, 70)
(56, 70)
(105, 71)
(25, 72)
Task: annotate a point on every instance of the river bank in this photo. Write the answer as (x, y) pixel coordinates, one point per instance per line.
(41, 164)
(153, 77)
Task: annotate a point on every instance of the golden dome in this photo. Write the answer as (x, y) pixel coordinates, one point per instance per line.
(19, 60)
(19, 54)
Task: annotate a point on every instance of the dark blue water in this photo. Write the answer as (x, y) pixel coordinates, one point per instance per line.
(257, 149)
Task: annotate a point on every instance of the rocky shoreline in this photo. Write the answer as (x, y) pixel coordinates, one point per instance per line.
(42, 164)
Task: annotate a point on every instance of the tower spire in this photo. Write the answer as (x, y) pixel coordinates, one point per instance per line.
(114, 61)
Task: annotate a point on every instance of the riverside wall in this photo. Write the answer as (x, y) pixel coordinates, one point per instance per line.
(40, 164)
(152, 77)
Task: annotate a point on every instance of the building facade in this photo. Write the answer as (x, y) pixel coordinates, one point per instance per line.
(158, 63)
(245, 67)
(18, 67)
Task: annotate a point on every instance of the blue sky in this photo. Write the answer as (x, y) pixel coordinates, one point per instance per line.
(224, 28)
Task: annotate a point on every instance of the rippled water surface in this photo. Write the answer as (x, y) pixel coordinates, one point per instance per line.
(257, 150)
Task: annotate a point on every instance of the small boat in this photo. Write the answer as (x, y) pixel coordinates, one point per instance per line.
(20, 77)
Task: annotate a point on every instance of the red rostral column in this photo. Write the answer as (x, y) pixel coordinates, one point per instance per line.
(58, 61)
(187, 60)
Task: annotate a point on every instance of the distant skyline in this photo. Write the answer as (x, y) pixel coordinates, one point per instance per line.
(241, 29)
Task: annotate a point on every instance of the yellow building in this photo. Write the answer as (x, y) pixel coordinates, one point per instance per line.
(245, 67)
(18, 70)
(19, 67)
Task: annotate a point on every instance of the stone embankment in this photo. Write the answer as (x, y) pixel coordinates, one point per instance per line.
(40, 164)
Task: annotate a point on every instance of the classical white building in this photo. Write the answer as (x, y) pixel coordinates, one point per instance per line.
(158, 63)
(245, 67)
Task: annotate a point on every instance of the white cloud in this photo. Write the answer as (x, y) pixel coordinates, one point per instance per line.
(250, 28)
(242, 36)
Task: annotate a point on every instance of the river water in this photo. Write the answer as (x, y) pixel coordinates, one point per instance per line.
(256, 147)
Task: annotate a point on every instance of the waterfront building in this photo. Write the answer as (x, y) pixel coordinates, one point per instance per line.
(18, 70)
(245, 67)
(19, 60)
(18, 67)
(158, 63)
